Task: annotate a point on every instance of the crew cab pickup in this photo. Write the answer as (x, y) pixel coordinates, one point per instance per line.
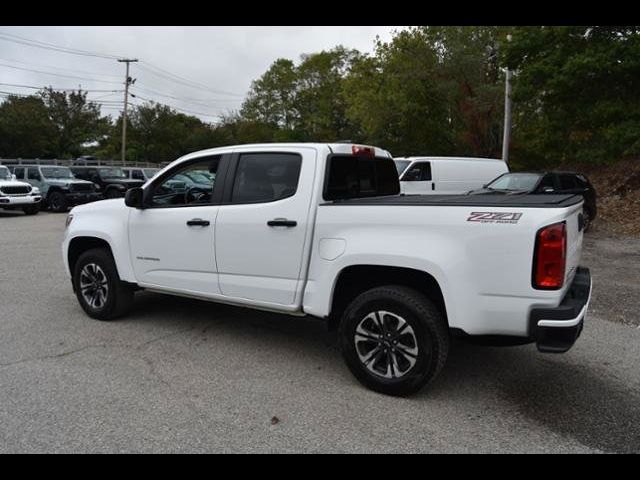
(321, 230)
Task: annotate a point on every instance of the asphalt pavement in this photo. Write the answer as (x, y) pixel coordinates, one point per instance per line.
(188, 376)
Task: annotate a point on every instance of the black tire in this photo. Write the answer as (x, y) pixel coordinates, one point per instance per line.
(31, 209)
(119, 296)
(112, 193)
(58, 202)
(429, 332)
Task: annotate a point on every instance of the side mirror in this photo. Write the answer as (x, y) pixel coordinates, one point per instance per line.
(134, 198)
(13, 177)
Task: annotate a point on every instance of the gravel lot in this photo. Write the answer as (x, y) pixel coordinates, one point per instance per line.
(188, 376)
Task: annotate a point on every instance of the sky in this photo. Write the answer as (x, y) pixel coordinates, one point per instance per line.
(215, 64)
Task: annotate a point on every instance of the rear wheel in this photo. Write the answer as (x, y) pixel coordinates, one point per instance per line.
(394, 340)
(101, 293)
(58, 202)
(31, 209)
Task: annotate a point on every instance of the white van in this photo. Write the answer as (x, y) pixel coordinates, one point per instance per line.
(446, 175)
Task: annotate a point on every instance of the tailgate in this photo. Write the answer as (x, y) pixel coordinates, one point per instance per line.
(574, 243)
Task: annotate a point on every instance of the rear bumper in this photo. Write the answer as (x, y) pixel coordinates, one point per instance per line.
(555, 330)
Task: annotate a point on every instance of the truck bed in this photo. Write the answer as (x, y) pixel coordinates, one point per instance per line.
(485, 200)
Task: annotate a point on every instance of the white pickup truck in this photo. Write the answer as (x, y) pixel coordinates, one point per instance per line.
(321, 230)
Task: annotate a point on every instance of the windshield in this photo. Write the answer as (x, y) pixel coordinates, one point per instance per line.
(515, 182)
(401, 165)
(112, 173)
(150, 172)
(57, 172)
(5, 174)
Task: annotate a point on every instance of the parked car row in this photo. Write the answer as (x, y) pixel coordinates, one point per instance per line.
(60, 187)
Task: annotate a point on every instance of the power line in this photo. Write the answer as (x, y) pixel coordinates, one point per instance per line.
(58, 68)
(184, 81)
(8, 37)
(184, 110)
(185, 100)
(59, 74)
(33, 87)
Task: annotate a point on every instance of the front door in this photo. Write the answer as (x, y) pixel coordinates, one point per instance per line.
(261, 232)
(417, 180)
(172, 239)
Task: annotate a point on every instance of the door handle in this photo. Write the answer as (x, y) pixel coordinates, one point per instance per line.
(282, 222)
(198, 222)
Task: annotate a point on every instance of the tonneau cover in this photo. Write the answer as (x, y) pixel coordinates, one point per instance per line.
(485, 200)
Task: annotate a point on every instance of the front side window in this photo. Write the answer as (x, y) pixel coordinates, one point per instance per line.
(266, 177)
(19, 172)
(137, 175)
(420, 172)
(178, 190)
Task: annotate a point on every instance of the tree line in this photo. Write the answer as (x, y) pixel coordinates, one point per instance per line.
(428, 91)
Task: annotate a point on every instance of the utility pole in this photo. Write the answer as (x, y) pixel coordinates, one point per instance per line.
(127, 81)
(506, 138)
(507, 118)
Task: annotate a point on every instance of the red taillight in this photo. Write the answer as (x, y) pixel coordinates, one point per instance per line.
(550, 257)
(363, 151)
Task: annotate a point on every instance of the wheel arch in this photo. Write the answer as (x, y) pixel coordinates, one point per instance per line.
(356, 279)
(80, 245)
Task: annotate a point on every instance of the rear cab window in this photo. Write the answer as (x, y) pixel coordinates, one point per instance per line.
(359, 176)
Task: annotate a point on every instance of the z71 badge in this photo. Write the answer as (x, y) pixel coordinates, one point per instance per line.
(495, 217)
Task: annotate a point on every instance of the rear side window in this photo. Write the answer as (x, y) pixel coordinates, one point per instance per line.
(359, 177)
(266, 177)
(33, 174)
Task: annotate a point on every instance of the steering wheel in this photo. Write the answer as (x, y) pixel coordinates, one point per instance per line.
(194, 194)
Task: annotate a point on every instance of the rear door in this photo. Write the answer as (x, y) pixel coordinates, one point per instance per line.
(262, 226)
(418, 179)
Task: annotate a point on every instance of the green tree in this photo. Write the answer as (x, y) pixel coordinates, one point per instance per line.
(576, 92)
(75, 119)
(26, 131)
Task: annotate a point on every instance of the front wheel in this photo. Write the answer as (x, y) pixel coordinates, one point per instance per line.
(394, 340)
(101, 293)
(31, 209)
(58, 202)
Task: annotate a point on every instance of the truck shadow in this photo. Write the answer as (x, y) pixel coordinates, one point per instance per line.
(566, 397)
(571, 399)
